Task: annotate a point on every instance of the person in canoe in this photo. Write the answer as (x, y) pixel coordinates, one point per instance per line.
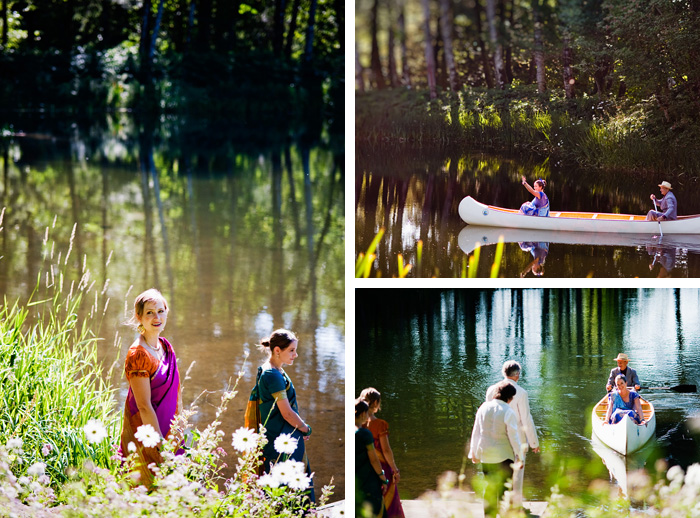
(623, 401)
(668, 205)
(622, 368)
(540, 205)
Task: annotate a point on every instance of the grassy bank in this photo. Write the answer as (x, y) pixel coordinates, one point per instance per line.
(607, 134)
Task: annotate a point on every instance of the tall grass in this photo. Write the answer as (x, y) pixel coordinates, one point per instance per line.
(591, 132)
(51, 382)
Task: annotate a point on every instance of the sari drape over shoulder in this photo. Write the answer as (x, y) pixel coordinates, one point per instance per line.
(392, 502)
(272, 386)
(165, 391)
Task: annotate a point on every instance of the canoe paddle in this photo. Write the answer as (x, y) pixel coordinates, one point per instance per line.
(660, 231)
(678, 388)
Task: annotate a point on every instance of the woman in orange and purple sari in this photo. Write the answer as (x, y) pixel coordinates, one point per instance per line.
(154, 385)
(380, 431)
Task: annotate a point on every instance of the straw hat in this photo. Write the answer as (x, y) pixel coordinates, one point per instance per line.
(622, 356)
(666, 184)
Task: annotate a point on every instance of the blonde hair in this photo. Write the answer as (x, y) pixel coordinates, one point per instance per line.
(152, 295)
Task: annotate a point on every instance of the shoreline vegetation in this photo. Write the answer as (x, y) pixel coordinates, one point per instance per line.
(604, 134)
(59, 424)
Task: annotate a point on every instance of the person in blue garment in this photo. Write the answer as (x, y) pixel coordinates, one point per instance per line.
(622, 402)
(540, 205)
(668, 205)
(279, 411)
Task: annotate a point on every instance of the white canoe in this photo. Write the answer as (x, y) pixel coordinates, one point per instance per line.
(470, 235)
(475, 213)
(625, 436)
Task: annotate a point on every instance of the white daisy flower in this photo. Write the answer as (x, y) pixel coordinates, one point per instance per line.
(95, 431)
(268, 480)
(15, 445)
(286, 444)
(285, 471)
(147, 435)
(131, 447)
(37, 469)
(299, 481)
(245, 439)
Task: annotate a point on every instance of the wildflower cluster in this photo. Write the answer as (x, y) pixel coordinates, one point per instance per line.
(187, 482)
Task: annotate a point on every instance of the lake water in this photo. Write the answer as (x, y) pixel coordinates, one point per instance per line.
(413, 193)
(242, 237)
(432, 354)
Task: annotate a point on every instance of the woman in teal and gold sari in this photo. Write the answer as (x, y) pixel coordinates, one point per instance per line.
(279, 412)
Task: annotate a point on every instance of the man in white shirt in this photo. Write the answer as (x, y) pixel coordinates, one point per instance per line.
(526, 426)
(495, 443)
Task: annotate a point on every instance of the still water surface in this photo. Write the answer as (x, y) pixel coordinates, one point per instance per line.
(241, 238)
(432, 354)
(414, 194)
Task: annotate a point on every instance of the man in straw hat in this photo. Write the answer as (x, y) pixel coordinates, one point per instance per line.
(668, 205)
(622, 368)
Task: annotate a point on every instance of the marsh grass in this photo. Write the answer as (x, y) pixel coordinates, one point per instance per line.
(603, 133)
(52, 383)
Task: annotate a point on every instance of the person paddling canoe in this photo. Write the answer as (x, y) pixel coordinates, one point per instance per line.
(622, 368)
(668, 205)
(540, 205)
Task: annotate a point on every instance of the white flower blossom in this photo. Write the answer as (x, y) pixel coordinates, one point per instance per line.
(268, 480)
(675, 472)
(37, 469)
(692, 477)
(95, 431)
(14, 445)
(23, 481)
(299, 481)
(245, 439)
(286, 444)
(286, 471)
(46, 449)
(147, 435)
(131, 447)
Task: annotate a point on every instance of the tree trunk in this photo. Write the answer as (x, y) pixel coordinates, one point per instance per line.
(495, 43)
(485, 62)
(429, 54)
(567, 60)
(156, 29)
(392, 72)
(292, 29)
(440, 64)
(145, 43)
(509, 39)
(310, 31)
(3, 40)
(376, 76)
(446, 26)
(405, 74)
(359, 76)
(278, 27)
(539, 47)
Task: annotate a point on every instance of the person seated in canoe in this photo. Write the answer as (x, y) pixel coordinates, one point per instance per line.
(622, 402)
(540, 205)
(622, 368)
(668, 205)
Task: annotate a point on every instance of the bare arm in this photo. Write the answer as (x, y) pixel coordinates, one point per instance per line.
(389, 456)
(292, 417)
(141, 387)
(638, 408)
(527, 186)
(609, 412)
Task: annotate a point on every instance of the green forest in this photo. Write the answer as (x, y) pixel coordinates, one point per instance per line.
(612, 84)
(219, 58)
